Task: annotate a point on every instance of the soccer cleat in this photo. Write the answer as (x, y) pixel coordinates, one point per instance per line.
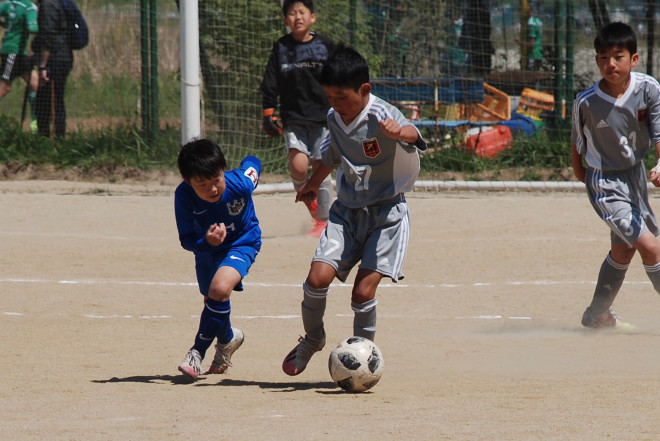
(296, 361)
(607, 319)
(192, 364)
(223, 353)
(318, 228)
(314, 209)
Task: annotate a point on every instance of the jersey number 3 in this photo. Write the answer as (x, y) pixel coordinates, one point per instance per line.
(625, 144)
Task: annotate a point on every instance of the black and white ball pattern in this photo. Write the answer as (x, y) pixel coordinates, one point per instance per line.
(356, 364)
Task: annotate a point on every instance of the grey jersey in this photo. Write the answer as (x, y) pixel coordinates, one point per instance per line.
(615, 134)
(371, 167)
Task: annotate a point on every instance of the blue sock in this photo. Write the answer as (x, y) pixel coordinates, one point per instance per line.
(214, 322)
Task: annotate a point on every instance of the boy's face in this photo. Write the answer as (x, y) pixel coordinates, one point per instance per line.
(210, 190)
(615, 65)
(347, 102)
(299, 19)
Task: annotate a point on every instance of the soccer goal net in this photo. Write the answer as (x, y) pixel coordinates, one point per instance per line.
(531, 58)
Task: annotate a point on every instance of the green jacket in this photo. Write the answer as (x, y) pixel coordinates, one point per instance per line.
(20, 18)
(534, 31)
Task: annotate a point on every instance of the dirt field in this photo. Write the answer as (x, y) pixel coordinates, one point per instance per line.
(481, 340)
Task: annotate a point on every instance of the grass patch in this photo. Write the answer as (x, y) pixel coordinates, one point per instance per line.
(120, 146)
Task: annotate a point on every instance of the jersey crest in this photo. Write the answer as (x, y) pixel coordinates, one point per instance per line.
(641, 115)
(371, 148)
(252, 175)
(236, 207)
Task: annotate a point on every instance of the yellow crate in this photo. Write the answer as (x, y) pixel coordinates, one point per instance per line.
(450, 112)
(534, 102)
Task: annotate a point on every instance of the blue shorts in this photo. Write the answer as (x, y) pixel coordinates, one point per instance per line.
(241, 259)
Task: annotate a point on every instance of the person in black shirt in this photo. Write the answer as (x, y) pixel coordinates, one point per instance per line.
(291, 74)
(55, 60)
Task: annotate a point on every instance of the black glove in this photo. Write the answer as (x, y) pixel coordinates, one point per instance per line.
(272, 125)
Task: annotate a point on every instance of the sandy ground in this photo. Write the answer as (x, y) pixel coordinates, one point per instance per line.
(482, 340)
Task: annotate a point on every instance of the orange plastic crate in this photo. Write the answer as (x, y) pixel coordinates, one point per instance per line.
(496, 106)
(534, 102)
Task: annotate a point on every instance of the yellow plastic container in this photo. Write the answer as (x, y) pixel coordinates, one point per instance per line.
(534, 102)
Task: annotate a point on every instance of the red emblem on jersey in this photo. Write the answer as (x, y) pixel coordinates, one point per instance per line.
(371, 148)
(641, 115)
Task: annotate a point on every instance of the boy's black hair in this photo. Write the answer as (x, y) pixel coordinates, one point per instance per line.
(345, 67)
(286, 5)
(201, 158)
(618, 35)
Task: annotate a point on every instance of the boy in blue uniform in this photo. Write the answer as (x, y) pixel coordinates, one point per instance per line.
(375, 150)
(292, 72)
(615, 123)
(216, 220)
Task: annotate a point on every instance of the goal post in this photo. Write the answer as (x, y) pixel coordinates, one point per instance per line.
(190, 72)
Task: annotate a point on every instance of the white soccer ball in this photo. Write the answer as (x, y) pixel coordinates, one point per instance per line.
(356, 364)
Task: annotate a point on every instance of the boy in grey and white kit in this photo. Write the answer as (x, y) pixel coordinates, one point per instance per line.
(615, 122)
(375, 151)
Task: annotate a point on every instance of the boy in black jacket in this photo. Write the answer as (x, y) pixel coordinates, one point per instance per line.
(294, 65)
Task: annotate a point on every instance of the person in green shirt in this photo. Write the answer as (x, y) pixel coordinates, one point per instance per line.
(19, 17)
(534, 41)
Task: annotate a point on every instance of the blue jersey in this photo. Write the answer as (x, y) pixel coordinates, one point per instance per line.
(235, 209)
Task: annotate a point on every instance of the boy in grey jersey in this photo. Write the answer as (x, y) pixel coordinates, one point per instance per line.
(614, 124)
(375, 151)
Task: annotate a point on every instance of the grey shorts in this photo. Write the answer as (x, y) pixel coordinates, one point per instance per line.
(307, 139)
(621, 199)
(376, 236)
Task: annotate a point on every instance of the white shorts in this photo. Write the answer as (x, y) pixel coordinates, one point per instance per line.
(377, 236)
(307, 139)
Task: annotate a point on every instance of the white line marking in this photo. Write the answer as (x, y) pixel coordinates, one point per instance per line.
(96, 316)
(492, 317)
(298, 285)
(69, 235)
(98, 282)
(252, 317)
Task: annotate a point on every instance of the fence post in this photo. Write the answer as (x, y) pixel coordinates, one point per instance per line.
(570, 56)
(154, 96)
(650, 35)
(560, 61)
(352, 21)
(149, 52)
(144, 52)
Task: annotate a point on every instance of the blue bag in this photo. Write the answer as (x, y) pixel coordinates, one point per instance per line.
(78, 33)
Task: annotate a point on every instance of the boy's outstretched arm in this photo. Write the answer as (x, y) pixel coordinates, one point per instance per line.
(308, 192)
(654, 175)
(576, 161)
